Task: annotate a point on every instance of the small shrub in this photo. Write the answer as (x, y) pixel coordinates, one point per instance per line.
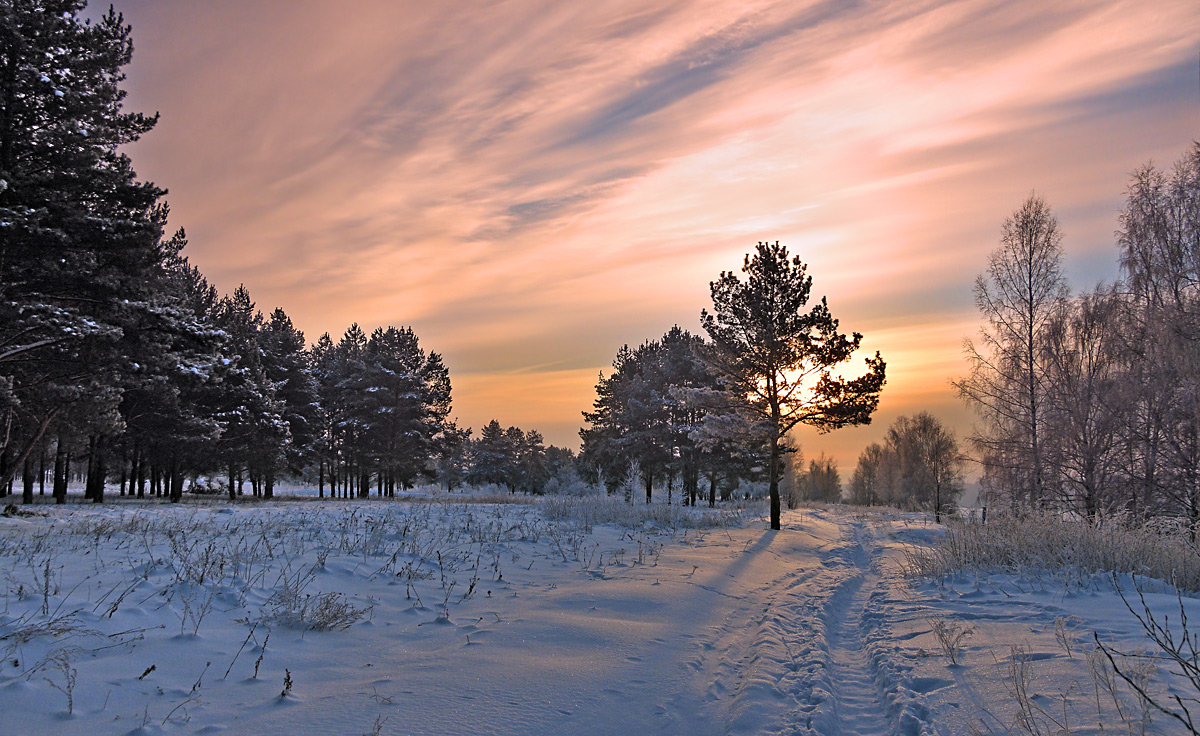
(320, 612)
(1022, 544)
(950, 636)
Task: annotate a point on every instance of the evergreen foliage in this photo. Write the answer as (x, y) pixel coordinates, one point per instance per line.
(80, 247)
(661, 414)
(767, 348)
(118, 360)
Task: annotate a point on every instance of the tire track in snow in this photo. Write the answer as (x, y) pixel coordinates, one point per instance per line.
(859, 707)
(788, 655)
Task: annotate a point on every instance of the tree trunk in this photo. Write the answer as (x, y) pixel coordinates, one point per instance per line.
(27, 480)
(774, 473)
(61, 468)
(175, 482)
(141, 474)
(89, 482)
(6, 477)
(98, 470)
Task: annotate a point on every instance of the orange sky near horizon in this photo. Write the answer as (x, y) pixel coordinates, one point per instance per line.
(531, 185)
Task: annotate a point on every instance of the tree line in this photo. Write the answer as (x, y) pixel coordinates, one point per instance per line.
(120, 362)
(1086, 403)
(688, 408)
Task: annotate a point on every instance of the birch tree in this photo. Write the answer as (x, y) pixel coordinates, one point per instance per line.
(1017, 296)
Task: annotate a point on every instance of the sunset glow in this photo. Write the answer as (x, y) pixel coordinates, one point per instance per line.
(530, 185)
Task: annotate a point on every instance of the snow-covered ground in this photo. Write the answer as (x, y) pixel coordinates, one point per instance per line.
(561, 617)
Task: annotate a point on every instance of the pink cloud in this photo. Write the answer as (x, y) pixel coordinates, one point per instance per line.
(532, 184)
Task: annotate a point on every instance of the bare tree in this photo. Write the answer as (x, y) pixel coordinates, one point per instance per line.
(1084, 406)
(1017, 296)
(1159, 240)
(791, 485)
(822, 482)
(927, 464)
(867, 480)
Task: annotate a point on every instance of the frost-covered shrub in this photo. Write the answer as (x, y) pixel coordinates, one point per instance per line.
(591, 511)
(489, 493)
(1022, 544)
(751, 490)
(208, 486)
(568, 483)
(319, 612)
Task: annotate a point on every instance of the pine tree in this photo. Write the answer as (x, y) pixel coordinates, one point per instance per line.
(630, 423)
(253, 430)
(453, 456)
(490, 456)
(169, 401)
(767, 348)
(286, 363)
(409, 396)
(79, 231)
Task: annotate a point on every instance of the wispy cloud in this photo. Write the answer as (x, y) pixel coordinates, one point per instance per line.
(534, 183)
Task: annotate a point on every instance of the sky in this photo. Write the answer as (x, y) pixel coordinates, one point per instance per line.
(531, 185)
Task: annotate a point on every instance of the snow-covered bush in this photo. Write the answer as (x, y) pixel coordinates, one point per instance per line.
(751, 490)
(568, 483)
(206, 486)
(611, 510)
(489, 493)
(1021, 544)
(316, 612)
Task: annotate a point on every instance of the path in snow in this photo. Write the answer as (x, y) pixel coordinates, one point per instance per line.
(859, 707)
(789, 656)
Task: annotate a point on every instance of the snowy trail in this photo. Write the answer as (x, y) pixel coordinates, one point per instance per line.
(859, 707)
(791, 657)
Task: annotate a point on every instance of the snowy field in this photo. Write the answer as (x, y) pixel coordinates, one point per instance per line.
(556, 617)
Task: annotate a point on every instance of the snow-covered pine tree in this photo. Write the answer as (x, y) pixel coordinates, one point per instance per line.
(630, 422)
(658, 409)
(490, 456)
(286, 363)
(79, 231)
(253, 430)
(409, 398)
(170, 400)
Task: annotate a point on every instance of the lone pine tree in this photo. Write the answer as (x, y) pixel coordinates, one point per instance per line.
(780, 358)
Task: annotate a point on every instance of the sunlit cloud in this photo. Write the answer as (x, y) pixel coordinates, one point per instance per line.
(533, 184)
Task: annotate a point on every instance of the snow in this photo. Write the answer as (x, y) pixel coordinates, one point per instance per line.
(578, 616)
